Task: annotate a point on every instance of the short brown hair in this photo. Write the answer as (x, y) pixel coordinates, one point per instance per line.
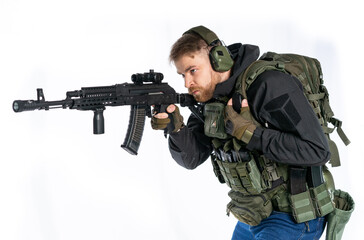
(187, 44)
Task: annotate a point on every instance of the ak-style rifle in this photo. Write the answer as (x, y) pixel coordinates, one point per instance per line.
(147, 90)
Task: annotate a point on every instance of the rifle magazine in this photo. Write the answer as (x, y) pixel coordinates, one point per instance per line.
(135, 129)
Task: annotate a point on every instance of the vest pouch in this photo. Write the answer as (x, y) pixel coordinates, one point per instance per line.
(322, 200)
(244, 177)
(280, 201)
(214, 120)
(249, 209)
(337, 219)
(303, 209)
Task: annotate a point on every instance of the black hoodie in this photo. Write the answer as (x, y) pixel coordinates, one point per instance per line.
(292, 133)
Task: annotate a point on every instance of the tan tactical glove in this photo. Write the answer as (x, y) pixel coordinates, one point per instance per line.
(240, 125)
(172, 122)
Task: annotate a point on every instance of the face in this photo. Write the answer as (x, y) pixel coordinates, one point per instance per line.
(200, 78)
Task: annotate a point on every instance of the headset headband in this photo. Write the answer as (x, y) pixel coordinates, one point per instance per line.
(209, 36)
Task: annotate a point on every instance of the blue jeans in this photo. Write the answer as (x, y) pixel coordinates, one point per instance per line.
(280, 226)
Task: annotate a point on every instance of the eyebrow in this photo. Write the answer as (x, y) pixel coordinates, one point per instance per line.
(187, 69)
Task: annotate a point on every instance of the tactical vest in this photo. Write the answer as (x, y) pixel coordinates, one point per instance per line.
(259, 185)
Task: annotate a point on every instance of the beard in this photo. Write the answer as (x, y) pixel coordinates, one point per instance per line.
(202, 94)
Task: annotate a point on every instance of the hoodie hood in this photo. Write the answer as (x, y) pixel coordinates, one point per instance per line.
(243, 56)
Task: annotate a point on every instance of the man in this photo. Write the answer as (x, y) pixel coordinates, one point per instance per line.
(274, 140)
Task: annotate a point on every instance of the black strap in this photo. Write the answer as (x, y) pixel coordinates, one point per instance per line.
(197, 112)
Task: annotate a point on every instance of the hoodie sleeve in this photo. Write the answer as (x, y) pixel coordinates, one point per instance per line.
(190, 147)
(292, 133)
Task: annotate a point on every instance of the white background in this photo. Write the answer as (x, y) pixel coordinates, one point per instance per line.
(59, 181)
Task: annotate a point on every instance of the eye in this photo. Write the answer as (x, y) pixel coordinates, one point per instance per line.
(183, 76)
(193, 70)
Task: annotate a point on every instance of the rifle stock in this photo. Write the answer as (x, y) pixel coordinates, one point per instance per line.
(147, 90)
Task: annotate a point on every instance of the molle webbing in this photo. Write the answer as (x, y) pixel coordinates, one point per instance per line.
(244, 171)
(242, 177)
(309, 197)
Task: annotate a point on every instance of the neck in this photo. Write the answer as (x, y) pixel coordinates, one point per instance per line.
(224, 76)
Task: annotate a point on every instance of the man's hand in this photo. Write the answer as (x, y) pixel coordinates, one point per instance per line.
(171, 120)
(240, 125)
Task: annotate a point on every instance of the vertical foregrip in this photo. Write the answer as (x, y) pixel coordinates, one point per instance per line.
(135, 129)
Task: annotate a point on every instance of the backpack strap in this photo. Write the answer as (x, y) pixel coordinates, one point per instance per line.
(253, 71)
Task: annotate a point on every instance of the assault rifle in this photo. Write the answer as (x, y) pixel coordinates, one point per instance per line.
(147, 90)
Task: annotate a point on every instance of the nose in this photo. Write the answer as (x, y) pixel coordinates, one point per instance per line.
(188, 81)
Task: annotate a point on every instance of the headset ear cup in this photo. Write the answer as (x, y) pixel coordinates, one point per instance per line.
(220, 58)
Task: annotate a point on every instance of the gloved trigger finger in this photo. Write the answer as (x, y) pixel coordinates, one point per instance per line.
(170, 126)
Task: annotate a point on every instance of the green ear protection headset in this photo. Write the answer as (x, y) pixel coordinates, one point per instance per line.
(220, 57)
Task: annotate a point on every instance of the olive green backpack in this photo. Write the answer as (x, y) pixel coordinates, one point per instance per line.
(308, 71)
